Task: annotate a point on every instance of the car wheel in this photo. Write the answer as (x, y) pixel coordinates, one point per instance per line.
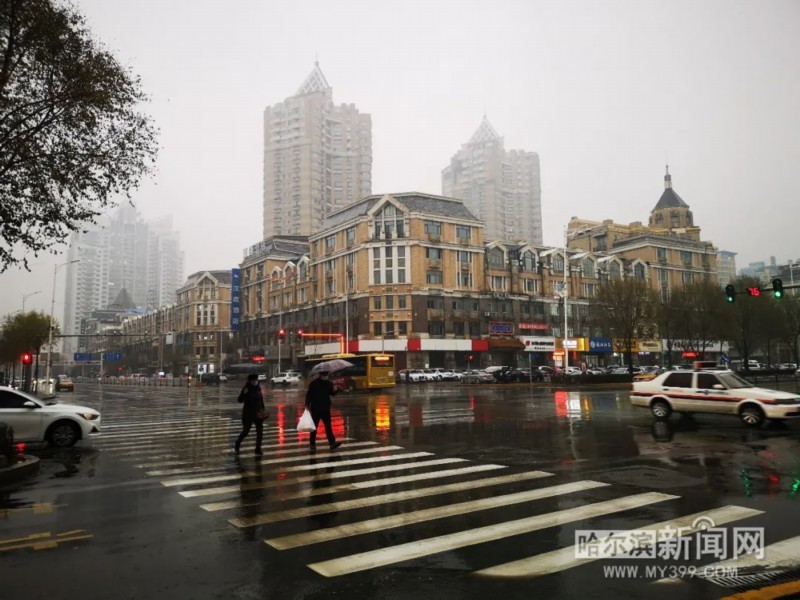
(63, 434)
(351, 386)
(752, 416)
(660, 409)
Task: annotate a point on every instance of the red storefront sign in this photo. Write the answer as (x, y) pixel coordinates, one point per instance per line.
(534, 326)
(689, 355)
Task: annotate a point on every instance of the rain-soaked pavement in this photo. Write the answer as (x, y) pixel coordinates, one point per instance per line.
(440, 490)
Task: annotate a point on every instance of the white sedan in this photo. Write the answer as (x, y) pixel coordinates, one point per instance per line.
(37, 420)
(284, 379)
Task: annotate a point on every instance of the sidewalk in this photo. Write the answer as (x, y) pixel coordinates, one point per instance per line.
(26, 467)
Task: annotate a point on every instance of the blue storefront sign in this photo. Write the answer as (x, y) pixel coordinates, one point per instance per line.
(601, 345)
(497, 328)
(236, 298)
(111, 356)
(82, 356)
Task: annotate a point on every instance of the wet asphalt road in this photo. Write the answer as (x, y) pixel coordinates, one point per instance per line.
(434, 484)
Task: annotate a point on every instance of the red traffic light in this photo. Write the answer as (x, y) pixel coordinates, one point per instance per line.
(469, 358)
(27, 358)
(281, 335)
(299, 333)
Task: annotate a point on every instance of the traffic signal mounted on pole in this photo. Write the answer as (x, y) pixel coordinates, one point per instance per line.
(299, 334)
(730, 293)
(281, 336)
(754, 291)
(777, 288)
(27, 358)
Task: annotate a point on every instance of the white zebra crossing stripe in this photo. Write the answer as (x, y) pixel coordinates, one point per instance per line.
(288, 453)
(359, 486)
(220, 455)
(259, 485)
(307, 511)
(565, 558)
(425, 547)
(324, 465)
(430, 514)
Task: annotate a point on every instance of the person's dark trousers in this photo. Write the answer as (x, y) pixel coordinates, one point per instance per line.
(246, 425)
(325, 417)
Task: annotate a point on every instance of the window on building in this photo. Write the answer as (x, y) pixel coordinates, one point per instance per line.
(674, 220)
(350, 236)
(588, 268)
(433, 228)
(463, 232)
(688, 278)
(558, 263)
(614, 270)
(686, 258)
(434, 277)
(435, 328)
(639, 271)
(602, 242)
(458, 328)
(465, 280)
(659, 220)
(474, 328)
(435, 303)
(388, 223)
(389, 302)
(589, 290)
(377, 328)
(401, 264)
(376, 265)
(376, 303)
(401, 302)
(661, 255)
(433, 253)
(496, 258)
(530, 285)
(402, 328)
(528, 261)
(465, 258)
(330, 243)
(498, 283)
(330, 286)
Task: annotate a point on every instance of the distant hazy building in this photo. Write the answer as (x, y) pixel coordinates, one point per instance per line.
(726, 267)
(317, 158)
(501, 187)
(761, 270)
(122, 252)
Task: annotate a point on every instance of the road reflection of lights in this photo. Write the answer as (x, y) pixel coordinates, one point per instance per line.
(574, 405)
(560, 398)
(281, 422)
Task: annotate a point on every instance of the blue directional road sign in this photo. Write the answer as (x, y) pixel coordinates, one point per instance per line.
(82, 356)
(112, 356)
(724, 358)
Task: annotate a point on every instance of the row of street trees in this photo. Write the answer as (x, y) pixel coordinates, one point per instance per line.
(699, 318)
(21, 333)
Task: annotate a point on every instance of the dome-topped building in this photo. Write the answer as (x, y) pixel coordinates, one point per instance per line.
(671, 212)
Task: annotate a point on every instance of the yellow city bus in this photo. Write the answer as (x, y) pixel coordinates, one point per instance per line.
(369, 371)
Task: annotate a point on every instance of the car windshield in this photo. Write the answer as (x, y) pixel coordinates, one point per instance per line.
(732, 381)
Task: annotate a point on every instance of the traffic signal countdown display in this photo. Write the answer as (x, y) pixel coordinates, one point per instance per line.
(777, 290)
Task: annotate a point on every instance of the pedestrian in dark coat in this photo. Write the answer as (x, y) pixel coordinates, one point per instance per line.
(318, 403)
(253, 412)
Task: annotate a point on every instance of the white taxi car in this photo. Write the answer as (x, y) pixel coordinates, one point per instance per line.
(285, 378)
(721, 392)
(37, 420)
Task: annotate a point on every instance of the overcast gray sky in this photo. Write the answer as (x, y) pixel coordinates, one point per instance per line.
(602, 90)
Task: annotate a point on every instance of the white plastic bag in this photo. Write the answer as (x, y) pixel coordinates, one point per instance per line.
(306, 423)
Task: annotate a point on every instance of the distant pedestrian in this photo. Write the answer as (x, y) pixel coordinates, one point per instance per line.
(253, 412)
(318, 403)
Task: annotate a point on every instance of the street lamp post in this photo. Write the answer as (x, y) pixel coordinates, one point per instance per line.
(52, 308)
(26, 296)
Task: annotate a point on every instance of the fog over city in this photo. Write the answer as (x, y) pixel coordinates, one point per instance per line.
(605, 92)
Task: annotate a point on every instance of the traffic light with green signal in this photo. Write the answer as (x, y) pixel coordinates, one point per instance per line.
(777, 288)
(730, 293)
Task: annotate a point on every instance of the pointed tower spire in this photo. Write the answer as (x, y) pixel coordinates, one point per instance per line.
(667, 180)
(484, 133)
(315, 82)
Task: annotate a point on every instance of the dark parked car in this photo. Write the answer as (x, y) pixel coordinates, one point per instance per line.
(510, 375)
(210, 378)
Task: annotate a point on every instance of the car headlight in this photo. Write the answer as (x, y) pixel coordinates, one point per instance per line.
(89, 416)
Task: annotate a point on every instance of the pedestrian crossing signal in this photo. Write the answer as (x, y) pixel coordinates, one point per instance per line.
(777, 288)
(730, 293)
(27, 358)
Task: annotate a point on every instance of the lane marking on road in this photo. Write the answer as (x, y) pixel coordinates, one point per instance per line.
(425, 547)
(43, 508)
(43, 541)
(323, 465)
(429, 514)
(295, 480)
(320, 509)
(289, 453)
(565, 558)
(307, 493)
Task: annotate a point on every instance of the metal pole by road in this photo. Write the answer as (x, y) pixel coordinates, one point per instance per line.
(50, 337)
